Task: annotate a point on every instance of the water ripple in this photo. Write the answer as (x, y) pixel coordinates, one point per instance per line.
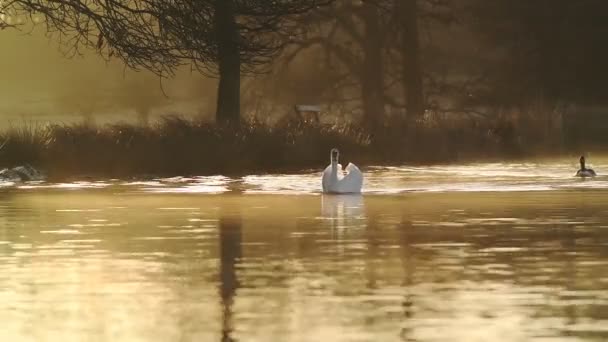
(551, 175)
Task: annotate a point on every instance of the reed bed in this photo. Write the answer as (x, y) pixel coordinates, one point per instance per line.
(176, 146)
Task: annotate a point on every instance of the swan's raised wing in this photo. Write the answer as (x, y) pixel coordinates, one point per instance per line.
(353, 181)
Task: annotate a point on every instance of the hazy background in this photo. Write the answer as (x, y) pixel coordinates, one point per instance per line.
(509, 58)
(40, 83)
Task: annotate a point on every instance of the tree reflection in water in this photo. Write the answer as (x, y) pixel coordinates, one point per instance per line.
(230, 237)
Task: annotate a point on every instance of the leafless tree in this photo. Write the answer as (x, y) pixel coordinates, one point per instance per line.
(217, 37)
(377, 46)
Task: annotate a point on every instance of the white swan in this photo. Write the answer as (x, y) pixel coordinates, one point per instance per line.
(334, 181)
(584, 172)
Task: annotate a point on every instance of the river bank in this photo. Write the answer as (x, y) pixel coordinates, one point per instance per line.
(175, 146)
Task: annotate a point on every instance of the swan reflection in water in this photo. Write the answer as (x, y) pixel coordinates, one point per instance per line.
(343, 211)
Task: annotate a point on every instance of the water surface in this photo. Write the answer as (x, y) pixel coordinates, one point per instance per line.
(485, 252)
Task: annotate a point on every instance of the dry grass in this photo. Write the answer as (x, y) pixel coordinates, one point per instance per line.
(175, 146)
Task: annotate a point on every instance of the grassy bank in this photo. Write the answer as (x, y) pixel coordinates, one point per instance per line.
(175, 146)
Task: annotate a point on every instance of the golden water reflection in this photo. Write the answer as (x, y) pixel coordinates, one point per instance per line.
(115, 265)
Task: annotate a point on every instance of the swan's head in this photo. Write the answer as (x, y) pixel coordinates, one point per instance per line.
(582, 161)
(334, 155)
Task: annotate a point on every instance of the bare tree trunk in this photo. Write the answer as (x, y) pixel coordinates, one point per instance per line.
(372, 78)
(412, 73)
(228, 93)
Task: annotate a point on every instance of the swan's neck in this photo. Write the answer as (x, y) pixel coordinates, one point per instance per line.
(582, 165)
(334, 167)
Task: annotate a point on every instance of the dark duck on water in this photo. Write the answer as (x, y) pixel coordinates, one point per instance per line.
(584, 172)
